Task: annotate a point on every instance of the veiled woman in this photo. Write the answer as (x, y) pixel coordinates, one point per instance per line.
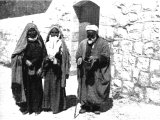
(56, 71)
(26, 68)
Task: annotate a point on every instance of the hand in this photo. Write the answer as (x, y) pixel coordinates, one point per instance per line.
(50, 57)
(93, 58)
(55, 61)
(79, 61)
(39, 72)
(28, 63)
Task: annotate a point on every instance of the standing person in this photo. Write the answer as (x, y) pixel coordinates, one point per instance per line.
(93, 71)
(26, 69)
(56, 71)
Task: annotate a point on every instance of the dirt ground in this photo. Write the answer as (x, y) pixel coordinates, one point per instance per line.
(122, 109)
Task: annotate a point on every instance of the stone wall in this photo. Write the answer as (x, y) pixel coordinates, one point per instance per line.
(134, 29)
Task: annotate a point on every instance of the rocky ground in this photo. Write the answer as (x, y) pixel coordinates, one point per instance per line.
(121, 109)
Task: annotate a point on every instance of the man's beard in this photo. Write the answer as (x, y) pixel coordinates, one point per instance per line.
(91, 41)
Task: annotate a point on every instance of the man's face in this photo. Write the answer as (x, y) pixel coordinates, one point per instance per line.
(32, 33)
(91, 35)
(54, 32)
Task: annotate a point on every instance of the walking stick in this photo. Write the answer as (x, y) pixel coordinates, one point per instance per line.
(79, 92)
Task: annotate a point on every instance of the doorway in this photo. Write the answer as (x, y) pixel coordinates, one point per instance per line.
(87, 13)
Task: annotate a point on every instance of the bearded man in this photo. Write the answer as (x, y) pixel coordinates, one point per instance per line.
(93, 71)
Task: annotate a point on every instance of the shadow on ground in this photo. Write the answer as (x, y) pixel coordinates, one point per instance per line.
(107, 105)
(71, 101)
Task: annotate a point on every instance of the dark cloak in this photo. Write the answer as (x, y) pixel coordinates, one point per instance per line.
(54, 97)
(94, 81)
(19, 76)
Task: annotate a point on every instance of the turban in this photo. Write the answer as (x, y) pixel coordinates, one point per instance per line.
(92, 27)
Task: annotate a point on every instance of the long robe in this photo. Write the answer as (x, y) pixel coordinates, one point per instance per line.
(55, 76)
(26, 88)
(94, 81)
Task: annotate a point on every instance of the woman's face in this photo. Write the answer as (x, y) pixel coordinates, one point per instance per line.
(54, 32)
(32, 33)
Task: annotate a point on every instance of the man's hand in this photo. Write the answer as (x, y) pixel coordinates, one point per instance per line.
(94, 61)
(79, 61)
(55, 61)
(93, 58)
(28, 63)
(39, 72)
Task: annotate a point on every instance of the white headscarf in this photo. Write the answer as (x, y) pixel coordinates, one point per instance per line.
(92, 27)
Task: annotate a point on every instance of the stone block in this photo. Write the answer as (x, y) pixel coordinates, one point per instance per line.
(109, 32)
(136, 72)
(128, 61)
(133, 17)
(139, 93)
(126, 46)
(125, 75)
(155, 78)
(138, 48)
(116, 87)
(103, 31)
(147, 16)
(122, 33)
(116, 44)
(143, 63)
(149, 5)
(155, 66)
(135, 36)
(128, 87)
(156, 46)
(116, 83)
(106, 20)
(155, 34)
(135, 8)
(121, 19)
(149, 49)
(146, 35)
(144, 78)
(135, 27)
(117, 59)
(153, 95)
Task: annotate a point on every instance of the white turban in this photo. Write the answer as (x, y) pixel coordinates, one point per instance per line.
(92, 27)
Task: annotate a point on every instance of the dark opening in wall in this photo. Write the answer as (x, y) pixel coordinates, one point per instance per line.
(87, 13)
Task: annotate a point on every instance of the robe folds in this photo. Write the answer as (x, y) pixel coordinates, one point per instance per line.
(55, 75)
(27, 89)
(94, 79)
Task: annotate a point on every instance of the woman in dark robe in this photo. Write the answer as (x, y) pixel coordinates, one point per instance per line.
(26, 63)
(93, 63)
(56, 71)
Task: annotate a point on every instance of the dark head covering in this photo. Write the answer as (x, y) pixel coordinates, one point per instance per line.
(22, 42)
(17, 64)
